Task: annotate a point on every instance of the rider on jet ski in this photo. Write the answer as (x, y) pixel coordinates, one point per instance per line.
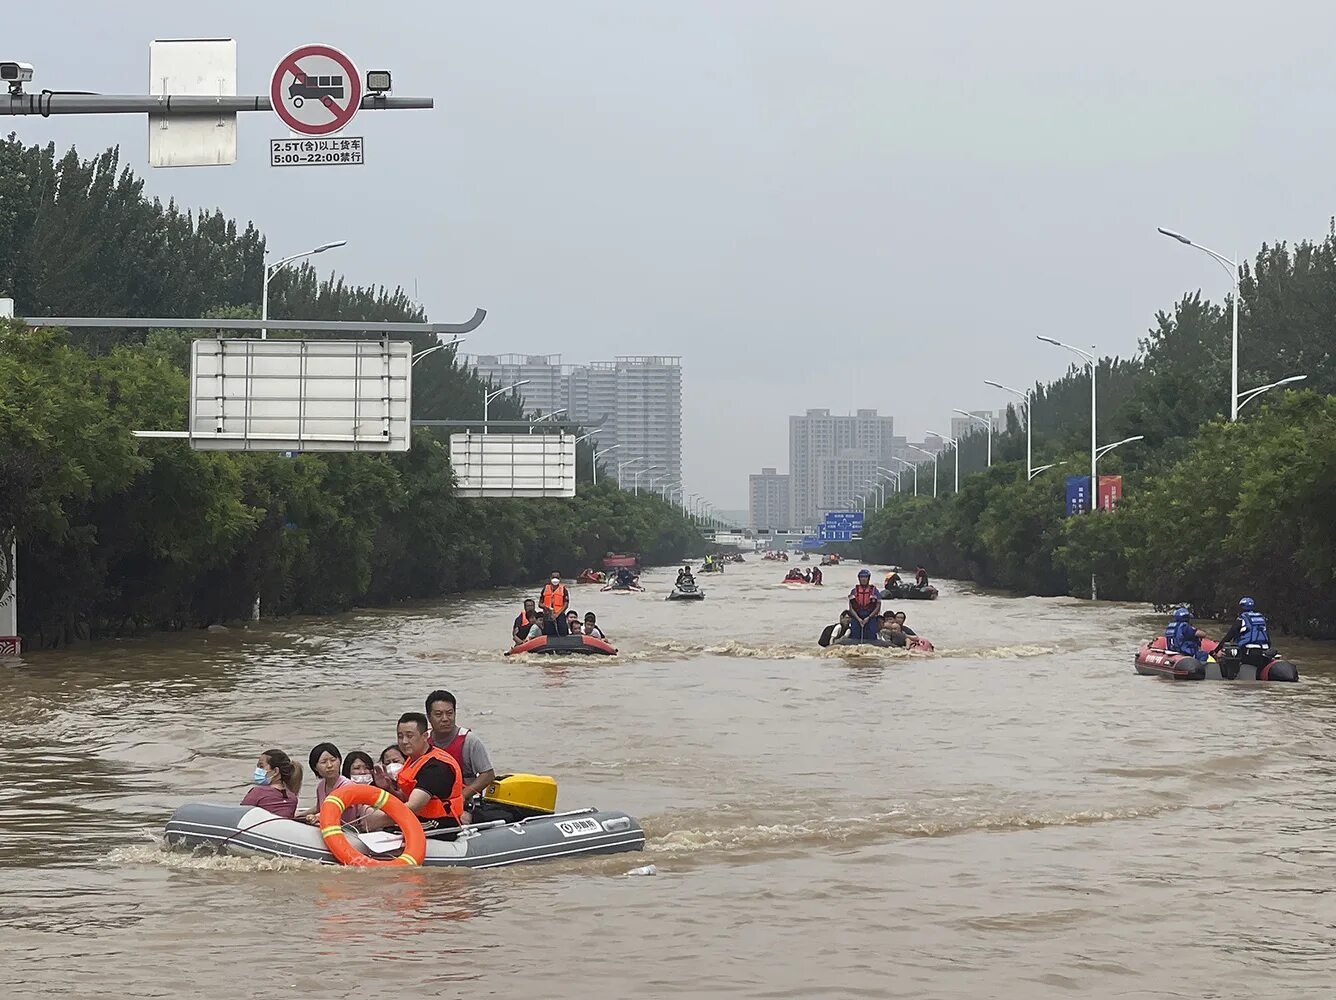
(684, 577)
(1181, 636)
(1249, 633)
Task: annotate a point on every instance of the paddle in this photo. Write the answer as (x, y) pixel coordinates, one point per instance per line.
(825, 636)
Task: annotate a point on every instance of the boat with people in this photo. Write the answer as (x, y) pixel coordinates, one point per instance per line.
(526, 828)
(564, 645)
(1155, 659)
(909, 592)
(591, 576)
(831, 559)
(801, 578)
(913, 643)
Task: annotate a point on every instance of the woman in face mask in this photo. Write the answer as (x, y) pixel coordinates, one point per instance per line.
(358, 767)
(277, 781)
(384, 775)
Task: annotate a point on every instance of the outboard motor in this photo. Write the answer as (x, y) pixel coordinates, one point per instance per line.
(513, 797)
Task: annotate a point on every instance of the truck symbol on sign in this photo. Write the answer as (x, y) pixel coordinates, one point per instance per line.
(320, 88)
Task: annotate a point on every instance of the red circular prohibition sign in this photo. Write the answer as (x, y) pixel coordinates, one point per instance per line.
(343, 114)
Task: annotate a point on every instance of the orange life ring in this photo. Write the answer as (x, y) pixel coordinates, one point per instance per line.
(415, 841)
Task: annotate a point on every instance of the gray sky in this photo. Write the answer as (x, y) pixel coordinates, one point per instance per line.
(833, 204)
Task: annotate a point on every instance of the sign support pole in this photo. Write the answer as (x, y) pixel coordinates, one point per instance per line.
(9, 591)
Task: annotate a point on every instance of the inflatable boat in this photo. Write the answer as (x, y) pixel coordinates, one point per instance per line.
(526, 832)
(565, 644)
(916, 643)
(1154, 659)
(686, 592)
(797, 582)
(617, 588)
(907, 592)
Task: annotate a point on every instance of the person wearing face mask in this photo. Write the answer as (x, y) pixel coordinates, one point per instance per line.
(277, 780)
(430, 781)
(385, 773)
(359, 768)
(556, 598)
(475, 765)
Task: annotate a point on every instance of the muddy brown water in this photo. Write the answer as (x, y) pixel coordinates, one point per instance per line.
(1017, 815)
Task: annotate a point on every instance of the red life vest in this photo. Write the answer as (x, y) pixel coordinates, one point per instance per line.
(864, 596)
(455, 748)
(435, 808)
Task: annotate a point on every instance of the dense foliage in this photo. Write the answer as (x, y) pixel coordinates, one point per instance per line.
(117, 534)
(1211, 509)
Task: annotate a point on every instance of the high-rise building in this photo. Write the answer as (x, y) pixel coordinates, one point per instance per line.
(770, 505)
(546, 390)
(633, 401)
(860, 442)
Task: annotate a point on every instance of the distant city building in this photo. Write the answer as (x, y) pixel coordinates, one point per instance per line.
(770, 503)
(857, 444)
(633, 401)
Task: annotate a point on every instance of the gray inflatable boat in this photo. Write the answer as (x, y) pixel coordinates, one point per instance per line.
(248, 830)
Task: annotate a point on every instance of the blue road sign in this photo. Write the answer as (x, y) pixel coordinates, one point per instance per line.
(829, 534)
(845, 520)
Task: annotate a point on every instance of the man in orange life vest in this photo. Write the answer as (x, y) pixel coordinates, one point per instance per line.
(430, 782)
(520, 630)
(556, 598)
(865, 604)
(461, 744)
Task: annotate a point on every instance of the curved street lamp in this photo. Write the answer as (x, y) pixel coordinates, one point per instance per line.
(489, 396)
(955, 445)
(1252, 394)
(933, 456)
(599, 454)
(272, 269)
(1232, 269)
(987, 423)
(1090, 360)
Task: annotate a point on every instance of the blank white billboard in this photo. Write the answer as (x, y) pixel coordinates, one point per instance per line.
(192, 67)
(300, 395)
(513, 465)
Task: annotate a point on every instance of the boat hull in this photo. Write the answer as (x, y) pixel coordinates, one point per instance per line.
(565, 645)
(1154, 660)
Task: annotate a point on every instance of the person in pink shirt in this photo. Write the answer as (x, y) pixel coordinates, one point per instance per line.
(326, 761)
(277, 782)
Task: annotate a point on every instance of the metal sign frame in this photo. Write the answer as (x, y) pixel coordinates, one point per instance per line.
(513, 465)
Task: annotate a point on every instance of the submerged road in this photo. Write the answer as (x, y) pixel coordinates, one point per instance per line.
(1018, 815)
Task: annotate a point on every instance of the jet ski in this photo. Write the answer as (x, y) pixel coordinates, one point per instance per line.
(909, 592)
(617, 588)
(525, 828)
(562, 645)
(1154, 659)
(717, 567)
(686, 592)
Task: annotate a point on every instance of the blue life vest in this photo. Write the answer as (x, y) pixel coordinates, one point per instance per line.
(1252, 630)
(1180, 637)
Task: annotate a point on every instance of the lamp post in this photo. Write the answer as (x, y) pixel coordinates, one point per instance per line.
(911, 467)
(1090, 360)
(933, 456)
(439, 347)
(955, 445)
(1251, 394)
(272, 269)
(1103, 450)
(620, 465)
(1232, 269)
(599, 454)
(1030, 471)
(489, 396)
(635, 477)
(986, 423)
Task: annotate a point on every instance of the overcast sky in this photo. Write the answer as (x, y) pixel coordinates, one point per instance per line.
(817, 204)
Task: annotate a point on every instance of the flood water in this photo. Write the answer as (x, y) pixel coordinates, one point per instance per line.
(1018, 815)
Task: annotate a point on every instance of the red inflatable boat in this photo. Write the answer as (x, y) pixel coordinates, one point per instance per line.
(1154, 659)
(565, 644)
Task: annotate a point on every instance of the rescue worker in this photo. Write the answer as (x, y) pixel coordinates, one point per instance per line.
(430, 782)
(865, 606)
(556, 598)
(1181, 636)
(475, 764)
(1250, 634)
(523, 621)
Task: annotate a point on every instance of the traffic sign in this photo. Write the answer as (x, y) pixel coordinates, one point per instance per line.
(845, 520)
(316, 90)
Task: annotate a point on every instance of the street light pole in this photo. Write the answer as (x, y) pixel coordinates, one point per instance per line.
(911, 467)
(933, 456)
(545, 416)
(987, 423)
(629, 461)
(635, 477)
(955, 446)
(1232, 269)
(1251, 394)
(487, 398)
(272, 269)
(1090, 360)
(599, 454)
(1029, 430)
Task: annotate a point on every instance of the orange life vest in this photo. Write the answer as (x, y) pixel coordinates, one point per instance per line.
(864, 596)
(435, 808)
(554, 598)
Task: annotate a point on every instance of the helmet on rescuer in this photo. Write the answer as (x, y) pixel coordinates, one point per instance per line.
(864, 573)
(1182, 614)
(1246, 603)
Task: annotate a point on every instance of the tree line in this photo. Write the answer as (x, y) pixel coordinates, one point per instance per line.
(117, 535)
(1211, 509)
